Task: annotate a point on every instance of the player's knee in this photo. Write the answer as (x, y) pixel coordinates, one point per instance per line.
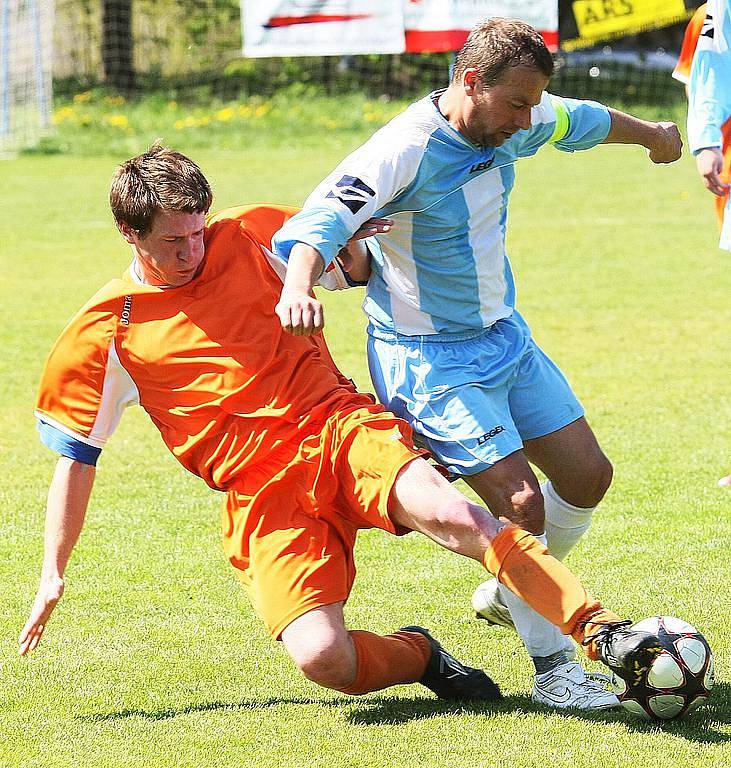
(595, 483)
(464, 526)
(330, 663)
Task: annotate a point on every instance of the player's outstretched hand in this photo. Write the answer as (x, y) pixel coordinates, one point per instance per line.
(709, 162)
(667, 145)
(47, 597)
(300, 313)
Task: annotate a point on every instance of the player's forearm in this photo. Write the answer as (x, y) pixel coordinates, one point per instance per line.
(662, 140)
(68, 499)
(304, 267)
(627, 129)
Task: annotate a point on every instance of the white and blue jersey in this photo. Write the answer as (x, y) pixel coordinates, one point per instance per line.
(443, 268)
(709, 90)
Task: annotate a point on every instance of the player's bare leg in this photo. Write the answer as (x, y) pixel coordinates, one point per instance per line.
(511, 489)
(357, 662)
(579, 475)
(424, 501)
(574, 462)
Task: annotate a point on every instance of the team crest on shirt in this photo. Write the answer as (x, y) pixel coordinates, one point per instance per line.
(352, 192)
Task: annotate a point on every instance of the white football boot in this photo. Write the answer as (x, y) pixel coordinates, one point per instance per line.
(488, 605)
(569, 687)
(565, 686)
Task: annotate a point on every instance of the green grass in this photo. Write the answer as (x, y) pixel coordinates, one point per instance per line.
(154, 657)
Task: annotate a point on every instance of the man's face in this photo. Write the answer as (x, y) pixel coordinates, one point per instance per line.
(494, 113)
(172, 252)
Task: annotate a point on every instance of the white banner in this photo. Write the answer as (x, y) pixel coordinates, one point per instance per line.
(322, 27)
(443, 25)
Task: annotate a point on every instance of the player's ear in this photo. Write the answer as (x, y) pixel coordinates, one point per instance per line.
(127, 232)
(469, 80)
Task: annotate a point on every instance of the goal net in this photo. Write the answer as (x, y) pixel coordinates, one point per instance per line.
(26, 33)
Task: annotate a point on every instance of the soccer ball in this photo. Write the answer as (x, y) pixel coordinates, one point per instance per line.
(679, 679)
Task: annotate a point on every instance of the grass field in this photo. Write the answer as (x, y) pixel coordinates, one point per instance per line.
(154, 657)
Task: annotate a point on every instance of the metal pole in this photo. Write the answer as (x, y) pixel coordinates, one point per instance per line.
(35, 23)
(5, 69)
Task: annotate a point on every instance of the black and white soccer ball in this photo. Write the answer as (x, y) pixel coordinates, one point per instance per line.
(679, 679)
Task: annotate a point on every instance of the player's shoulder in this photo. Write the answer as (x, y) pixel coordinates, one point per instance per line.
(410, 130)
(259, 220)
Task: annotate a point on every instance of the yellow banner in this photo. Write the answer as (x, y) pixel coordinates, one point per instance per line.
(601, 20)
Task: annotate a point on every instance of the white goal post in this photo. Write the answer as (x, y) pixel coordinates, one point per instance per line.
(26, 89)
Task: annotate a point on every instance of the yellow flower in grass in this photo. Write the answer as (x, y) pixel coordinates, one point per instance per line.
(244, 110)
(329, 123)
(84, 120)
(225, 115)
(62, 115)
(262, 110)
(114, 101)
(118, 121)
(81, 98)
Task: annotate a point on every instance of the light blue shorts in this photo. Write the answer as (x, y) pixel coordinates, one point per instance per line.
(473, 401)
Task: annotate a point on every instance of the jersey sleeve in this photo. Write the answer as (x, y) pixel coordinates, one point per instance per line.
(569, 124)
(84, 388)
(690, 42)
(709, 88)
(356, 190)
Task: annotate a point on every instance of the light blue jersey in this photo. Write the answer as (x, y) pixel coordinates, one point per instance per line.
(709, 87)
(443, 268)
(709, 91)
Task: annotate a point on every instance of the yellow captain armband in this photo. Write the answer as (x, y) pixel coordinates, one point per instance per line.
(562, 121)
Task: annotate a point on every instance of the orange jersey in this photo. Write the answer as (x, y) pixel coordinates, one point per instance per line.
(209, 361)
(690, 43)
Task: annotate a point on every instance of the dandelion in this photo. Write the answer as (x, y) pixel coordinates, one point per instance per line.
(81, 98)
(117, 121)
(225, 115)
(62, 115)
(262, 110)
(114, 101)
(244, 111)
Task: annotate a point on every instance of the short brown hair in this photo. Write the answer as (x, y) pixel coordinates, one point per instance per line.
(158, 180)
(496, 44)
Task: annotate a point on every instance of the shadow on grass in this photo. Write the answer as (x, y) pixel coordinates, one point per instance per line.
(700, 727)
(209, 706)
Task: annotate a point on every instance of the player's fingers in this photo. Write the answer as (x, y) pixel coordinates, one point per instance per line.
(31, 639)
(295, 319)
(714, 184)
(318, 318)
(36, 638)
(374, 226)
(282, 312)
(306, 320)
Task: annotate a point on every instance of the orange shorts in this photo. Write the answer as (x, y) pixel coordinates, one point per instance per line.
(289, 527)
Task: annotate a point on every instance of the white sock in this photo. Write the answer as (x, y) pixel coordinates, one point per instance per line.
(565, 524)
(541, 638)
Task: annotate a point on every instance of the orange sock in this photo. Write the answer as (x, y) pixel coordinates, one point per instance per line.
(391, 660)
(524, 565)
